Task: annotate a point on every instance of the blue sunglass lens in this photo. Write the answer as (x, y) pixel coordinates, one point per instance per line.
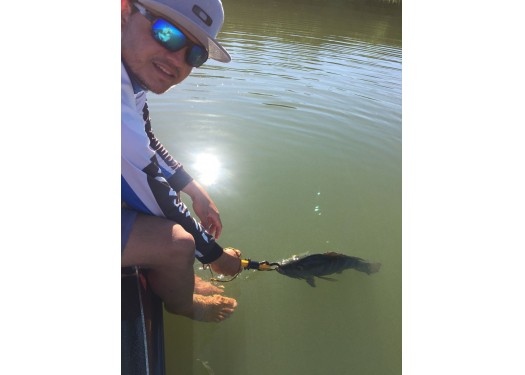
(174, 39)
(196, 56)
(168, 35)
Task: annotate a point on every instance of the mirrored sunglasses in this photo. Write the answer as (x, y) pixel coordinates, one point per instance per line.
(173, 39)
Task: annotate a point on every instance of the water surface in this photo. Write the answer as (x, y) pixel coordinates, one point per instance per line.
(298, 141)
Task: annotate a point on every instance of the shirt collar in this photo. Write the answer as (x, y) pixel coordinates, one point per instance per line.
(137, 87)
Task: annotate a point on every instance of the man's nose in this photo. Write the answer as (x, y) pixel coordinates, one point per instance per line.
(178, 57)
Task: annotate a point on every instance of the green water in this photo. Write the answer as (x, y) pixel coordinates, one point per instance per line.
(298, 141)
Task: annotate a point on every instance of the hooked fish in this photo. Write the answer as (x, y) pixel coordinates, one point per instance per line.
(320, 265)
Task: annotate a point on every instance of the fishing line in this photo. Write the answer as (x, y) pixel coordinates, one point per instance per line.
(213, 278)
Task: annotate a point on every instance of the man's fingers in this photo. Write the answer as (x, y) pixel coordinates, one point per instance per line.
(215, 226)
(217, 232)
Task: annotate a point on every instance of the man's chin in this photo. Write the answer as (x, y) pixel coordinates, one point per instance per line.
(158, 89)
(155, 88)
(158, 92)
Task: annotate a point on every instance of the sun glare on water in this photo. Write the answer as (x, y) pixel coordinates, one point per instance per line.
(208, 168)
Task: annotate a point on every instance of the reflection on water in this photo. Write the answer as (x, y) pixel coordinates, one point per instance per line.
(298, 141)
(207, 168)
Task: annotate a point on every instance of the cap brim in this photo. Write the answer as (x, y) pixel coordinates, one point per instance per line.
(215, 50)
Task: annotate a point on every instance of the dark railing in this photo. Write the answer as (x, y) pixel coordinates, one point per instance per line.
(142, 336)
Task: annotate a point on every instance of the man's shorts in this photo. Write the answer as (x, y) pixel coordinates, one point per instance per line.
(128, 218)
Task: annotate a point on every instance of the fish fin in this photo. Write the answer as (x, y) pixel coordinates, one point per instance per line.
(310, 280)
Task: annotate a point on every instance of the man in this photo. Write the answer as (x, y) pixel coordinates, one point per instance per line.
(161, 42)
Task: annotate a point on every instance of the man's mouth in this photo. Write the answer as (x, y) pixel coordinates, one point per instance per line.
(164, 70)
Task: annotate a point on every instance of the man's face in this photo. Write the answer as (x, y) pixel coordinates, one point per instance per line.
(157, 68)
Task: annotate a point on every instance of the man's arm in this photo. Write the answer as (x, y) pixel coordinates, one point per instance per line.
(204, 208)
(144, 185)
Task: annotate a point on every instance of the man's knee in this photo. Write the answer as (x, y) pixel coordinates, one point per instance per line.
(158, 242)
(182, 246)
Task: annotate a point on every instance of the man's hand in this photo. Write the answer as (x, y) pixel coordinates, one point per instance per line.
(204, 208)
(229, 263)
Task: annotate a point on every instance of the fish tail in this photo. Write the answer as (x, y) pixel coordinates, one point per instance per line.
(373, 267)
(362, 265)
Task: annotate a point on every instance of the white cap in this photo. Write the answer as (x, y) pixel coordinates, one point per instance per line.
(203, 19)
